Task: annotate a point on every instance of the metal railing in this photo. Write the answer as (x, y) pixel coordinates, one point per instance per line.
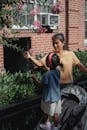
(83, 84)
(21, 116)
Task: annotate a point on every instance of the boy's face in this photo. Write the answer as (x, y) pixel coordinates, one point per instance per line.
(58, 45)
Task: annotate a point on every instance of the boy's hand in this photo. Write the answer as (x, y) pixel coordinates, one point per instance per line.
(26, 54)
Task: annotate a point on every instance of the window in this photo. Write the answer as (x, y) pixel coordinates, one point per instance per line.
(22, 19)
(21, 16)
(14, 61)
(49, 19)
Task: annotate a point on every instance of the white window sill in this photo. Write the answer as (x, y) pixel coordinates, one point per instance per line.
(23, 27)
(85, 42)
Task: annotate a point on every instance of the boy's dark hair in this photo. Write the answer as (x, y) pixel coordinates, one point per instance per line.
(58, 36)
(53, 60)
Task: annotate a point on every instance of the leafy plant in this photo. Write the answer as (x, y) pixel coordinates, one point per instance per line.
(16, 87)
(78, 75)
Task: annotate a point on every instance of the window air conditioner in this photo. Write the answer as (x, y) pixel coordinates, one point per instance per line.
(31, 1)
(49, 19)
(53, 20)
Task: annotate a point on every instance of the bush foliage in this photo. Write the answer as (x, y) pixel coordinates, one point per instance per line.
(78, 75)
(17, 87)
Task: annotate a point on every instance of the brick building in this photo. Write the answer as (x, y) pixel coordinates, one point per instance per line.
(71, 22)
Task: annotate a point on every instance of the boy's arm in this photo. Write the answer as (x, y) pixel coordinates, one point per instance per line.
(37, 81)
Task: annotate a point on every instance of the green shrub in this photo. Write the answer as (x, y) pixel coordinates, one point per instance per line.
(16, 87)
(78, 75)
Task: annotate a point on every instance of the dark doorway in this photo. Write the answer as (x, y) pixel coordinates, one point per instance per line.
(13, 59)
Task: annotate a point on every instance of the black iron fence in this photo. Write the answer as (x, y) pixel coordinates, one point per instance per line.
(21, 116)
(83, 84)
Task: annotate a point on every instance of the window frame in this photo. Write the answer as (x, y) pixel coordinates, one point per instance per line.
(35, 18)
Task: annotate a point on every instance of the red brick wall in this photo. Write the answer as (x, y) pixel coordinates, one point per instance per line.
(62, 19)
(76, 24)
(1, 60)
(40, 42)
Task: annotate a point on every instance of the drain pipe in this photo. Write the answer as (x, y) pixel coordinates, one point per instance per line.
(67, 23)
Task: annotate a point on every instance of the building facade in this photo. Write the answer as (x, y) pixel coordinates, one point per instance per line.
(71, 21)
